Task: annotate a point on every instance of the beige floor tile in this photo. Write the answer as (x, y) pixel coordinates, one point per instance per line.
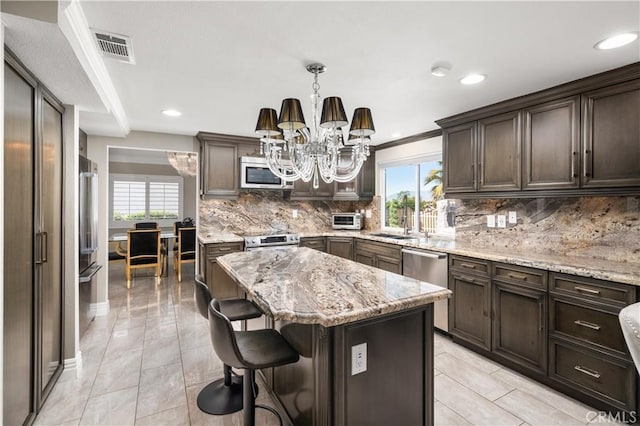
(557, 400)
(125, 340)
(200, 364)
(472, 358)
(534, 411)
(159, 352)
(177, 416)
(161, 388)
(65, 403)
(119, 370)
(444, 416)
(114, 408)
(472, 407)
(471, 377)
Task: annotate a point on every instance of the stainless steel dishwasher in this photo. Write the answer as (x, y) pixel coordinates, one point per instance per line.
(431, 267)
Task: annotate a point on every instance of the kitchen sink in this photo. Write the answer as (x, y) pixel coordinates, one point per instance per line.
(395, 236)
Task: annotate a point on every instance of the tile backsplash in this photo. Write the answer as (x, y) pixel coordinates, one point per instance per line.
(598, 227)
(260, 211)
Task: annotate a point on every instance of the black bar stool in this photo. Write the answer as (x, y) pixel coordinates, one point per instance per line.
(248, 350)
(223, 396)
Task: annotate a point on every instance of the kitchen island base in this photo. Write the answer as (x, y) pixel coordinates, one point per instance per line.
(320, 389)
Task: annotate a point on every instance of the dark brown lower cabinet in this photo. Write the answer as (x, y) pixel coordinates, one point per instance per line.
(469, 309)
(340, 246)
(316, 243)
(219, 283)
(380, 255)
(605, 379)
(519, 326)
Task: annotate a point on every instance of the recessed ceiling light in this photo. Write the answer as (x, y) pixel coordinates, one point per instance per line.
(171, 112)
(396, 135)
(616, 41)
(439, 71)
(472, 78)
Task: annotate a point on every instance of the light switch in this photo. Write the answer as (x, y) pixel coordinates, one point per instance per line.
(491, 221)
(368, 214)
(513, 218)
(294, 213)
(358, 359)
(502, 221)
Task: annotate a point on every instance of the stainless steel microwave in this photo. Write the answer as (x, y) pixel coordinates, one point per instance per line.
(346, 221)
(255, 173)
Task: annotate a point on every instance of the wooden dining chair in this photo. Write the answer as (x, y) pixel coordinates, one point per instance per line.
(186, 252)
(143, 251)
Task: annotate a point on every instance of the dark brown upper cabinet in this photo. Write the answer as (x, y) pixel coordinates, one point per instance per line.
(551, 157)
(579, 138)
(499, 152)
(219, 170)
(459, 153)
(611, 136)
(304, 190)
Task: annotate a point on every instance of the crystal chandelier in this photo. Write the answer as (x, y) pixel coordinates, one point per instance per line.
(293, 151)
(186, 163)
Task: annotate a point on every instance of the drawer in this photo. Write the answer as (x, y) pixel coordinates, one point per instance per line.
(215, 250)
(520, 275)
(469, 265)
(608, 379)
(597, 290)
(599, 326)
(316, 243)
(389, 250)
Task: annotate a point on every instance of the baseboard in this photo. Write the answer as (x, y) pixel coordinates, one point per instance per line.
(99, 309)
(71, 364)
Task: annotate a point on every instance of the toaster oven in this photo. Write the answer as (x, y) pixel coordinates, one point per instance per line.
(346, 221)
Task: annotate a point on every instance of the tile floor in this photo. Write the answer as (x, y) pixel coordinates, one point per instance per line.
(145, 362)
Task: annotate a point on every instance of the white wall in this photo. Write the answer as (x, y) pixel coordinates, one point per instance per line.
(98, 151)
(404, 152)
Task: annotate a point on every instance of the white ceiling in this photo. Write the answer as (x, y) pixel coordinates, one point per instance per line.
(220, 62)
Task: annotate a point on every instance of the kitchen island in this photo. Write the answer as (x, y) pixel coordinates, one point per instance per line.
(365, 336)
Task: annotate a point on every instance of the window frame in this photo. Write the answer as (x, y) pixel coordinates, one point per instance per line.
(414, 161)
(147, 179)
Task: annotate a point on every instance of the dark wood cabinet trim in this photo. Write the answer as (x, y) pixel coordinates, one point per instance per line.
(409, 139)
(220, 137)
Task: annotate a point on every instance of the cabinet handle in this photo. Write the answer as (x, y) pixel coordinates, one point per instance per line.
(587, 163)
(480, 174)
(586, 290)
(465, 278)
(45, 243)
(224, 249)
(541, 311)
(468, 265)
(587, 324)
(587, 371)
(517, 276)
(38, 248)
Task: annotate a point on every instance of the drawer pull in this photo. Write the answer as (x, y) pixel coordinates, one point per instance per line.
(517, 276)
(468, 265)
(224, 248)
(586, 290)
(587, 324)
(587, 371)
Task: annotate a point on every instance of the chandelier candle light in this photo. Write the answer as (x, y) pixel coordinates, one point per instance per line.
(293, 151)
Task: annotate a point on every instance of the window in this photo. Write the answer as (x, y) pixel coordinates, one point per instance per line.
(410, 190)
(135, 198)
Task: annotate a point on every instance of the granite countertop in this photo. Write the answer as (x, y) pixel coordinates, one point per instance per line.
(621, 272)
(207, 237)
(306, 286)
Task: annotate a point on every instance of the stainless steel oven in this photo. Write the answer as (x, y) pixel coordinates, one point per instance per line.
(267, 241)
(255, 174)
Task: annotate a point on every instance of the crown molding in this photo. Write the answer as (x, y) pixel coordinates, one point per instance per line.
(409, 139)
(74, 26)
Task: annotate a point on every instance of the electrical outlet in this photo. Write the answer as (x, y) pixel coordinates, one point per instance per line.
(513, 218)
(358, 359)
(294, 213)
(491, 221)
(502, 221)
(368, 214)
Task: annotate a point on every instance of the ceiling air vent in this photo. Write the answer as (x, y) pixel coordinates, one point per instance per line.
(115, 46)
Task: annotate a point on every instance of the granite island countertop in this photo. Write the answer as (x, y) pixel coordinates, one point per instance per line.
(306, 286)
(617, 271)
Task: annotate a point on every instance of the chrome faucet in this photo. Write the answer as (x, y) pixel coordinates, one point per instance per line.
(404, 215)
